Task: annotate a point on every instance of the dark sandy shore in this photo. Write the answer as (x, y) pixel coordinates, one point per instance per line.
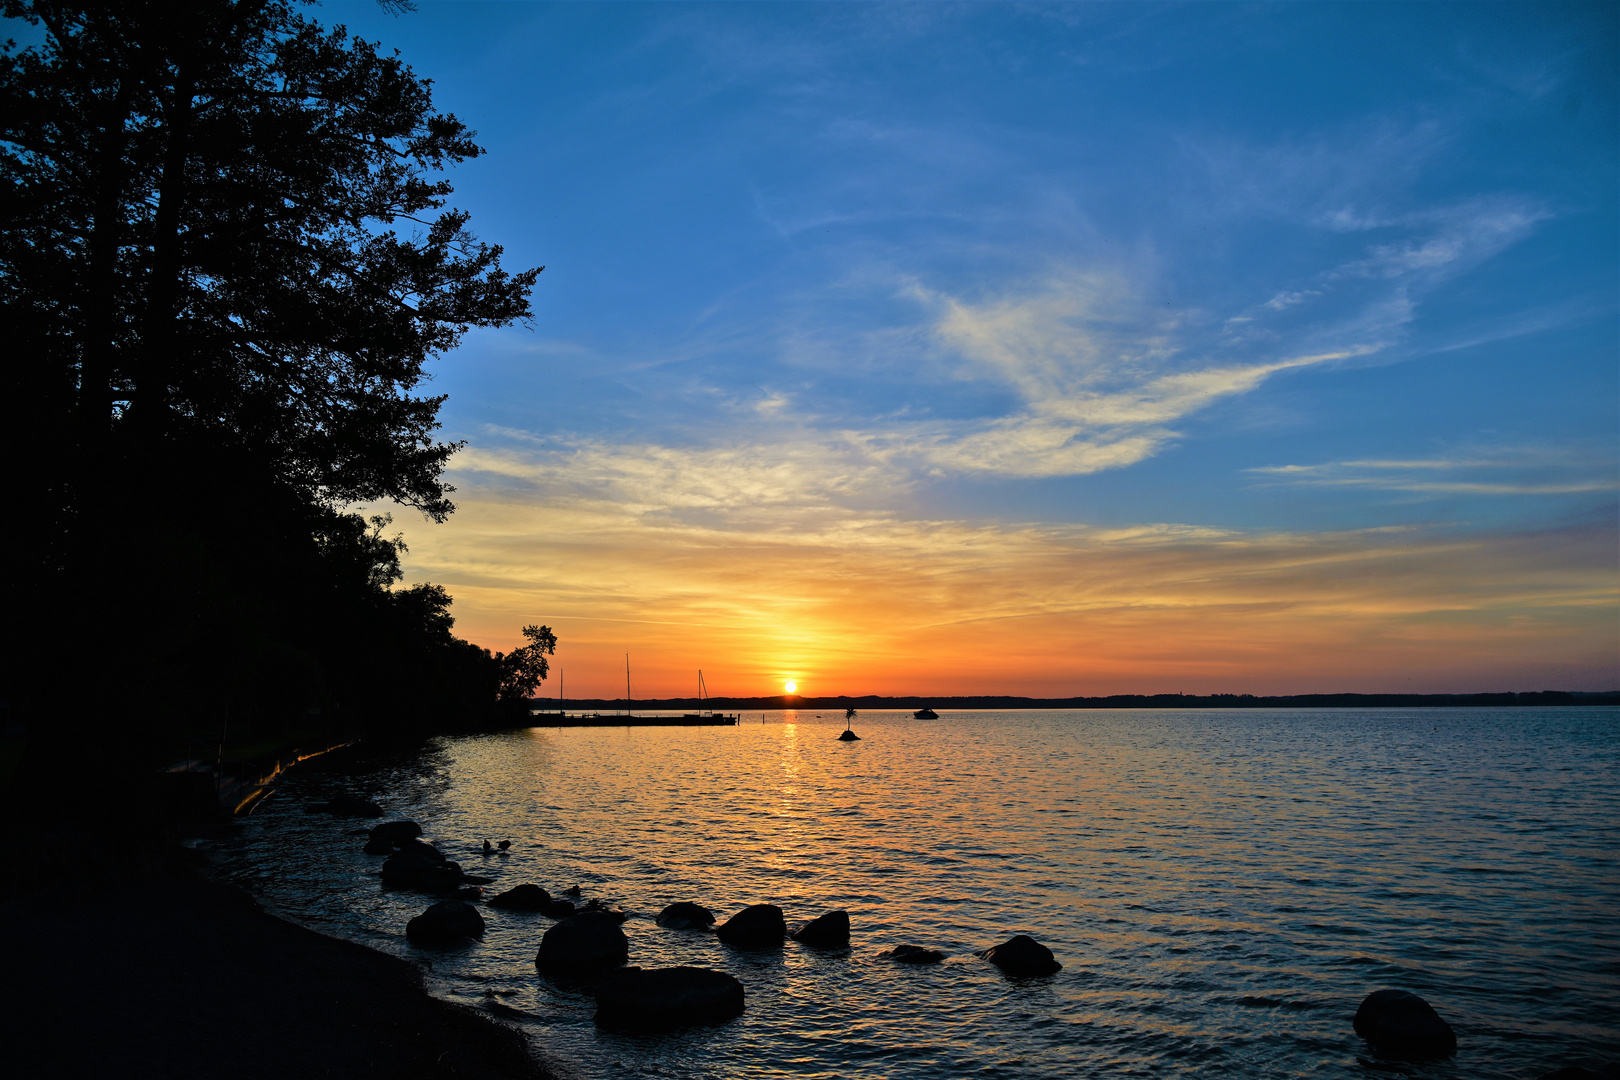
(175, 977)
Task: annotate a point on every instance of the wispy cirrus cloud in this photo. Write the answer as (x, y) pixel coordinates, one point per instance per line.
(1529, 471)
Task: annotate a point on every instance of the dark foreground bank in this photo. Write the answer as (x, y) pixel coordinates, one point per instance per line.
(160, 976)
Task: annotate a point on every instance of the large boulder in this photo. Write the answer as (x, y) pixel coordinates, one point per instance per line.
(444, 923)
(558, 909)
(395, 832)
(583, 943)
(829, 931)
(686, 915)
(523, 898)
(912, 954)
(1021, 956)
(758, 926)
(663, 997)
(378, 847)
(1399, 1024)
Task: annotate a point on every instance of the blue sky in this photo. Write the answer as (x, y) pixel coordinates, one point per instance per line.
(884, 281)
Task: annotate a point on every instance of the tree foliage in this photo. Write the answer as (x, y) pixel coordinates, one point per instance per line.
(223, 223)
(227, 257)
(525, 668)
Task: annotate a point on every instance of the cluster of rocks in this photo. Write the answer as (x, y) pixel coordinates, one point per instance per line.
(588, 943)
(414, 864)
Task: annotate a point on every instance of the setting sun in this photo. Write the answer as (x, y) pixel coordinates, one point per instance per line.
(790, 686)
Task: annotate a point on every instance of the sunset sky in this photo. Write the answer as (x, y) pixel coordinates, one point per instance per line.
(1047, 350)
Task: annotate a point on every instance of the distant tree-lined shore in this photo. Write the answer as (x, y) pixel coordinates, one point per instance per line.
(1112, 701)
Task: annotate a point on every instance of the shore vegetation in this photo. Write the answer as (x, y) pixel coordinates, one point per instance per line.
(228, 258)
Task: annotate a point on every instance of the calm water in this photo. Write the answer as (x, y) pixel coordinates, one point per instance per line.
(1222, 887)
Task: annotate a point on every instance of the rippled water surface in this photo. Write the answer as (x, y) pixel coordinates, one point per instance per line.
(1222, 887)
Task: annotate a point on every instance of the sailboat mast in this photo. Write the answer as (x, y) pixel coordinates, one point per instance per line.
(627, 684)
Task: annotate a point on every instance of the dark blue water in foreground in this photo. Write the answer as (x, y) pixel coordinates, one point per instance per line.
(1222, 887)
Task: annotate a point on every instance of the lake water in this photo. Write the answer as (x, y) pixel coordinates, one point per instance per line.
(1222, 887)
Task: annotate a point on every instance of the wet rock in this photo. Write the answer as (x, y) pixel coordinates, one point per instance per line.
(1021, 956)
(912, 954)
(559, 909)
(828, 931)
(582, 944)
(422, 867)
(572, 890)
(523, 898)
(378, 847)
(686, 915)
(758, 926)
(469, 892)
(848, 736)
(396, 832)
(596, 905)
(1399, 1024)
(445, 923)
(664, 997)
(345, 805)
(421, 849)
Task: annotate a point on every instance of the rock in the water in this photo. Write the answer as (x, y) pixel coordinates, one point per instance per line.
(523, 898)
(345, 805)
(686, 915)
(594, 904)
(421, 849)
(1400, 1024)
(912, 954)
(469, 892)
(663, 997)
(827, 931)
(396, 832)
(583, 943)
(848, 736)
(1021, 956)
(572, 890)
(378, 847)
(758, 926)
(558, 909)
(421, 866)
(445, 922)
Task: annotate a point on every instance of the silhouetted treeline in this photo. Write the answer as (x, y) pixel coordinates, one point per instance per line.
(226, 259)
(1114, 701)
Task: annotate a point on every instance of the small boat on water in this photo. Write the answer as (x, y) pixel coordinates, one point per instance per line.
(925, 714)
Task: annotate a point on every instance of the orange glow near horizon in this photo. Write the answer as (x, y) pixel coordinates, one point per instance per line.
(877, 606)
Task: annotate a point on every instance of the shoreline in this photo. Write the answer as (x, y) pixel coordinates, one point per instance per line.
(178, 977)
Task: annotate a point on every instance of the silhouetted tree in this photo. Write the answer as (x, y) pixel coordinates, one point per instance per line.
(203, 238)
(524, 668)
(226, 256)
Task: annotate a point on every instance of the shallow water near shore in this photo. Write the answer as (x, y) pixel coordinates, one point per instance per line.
(1222, 887)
